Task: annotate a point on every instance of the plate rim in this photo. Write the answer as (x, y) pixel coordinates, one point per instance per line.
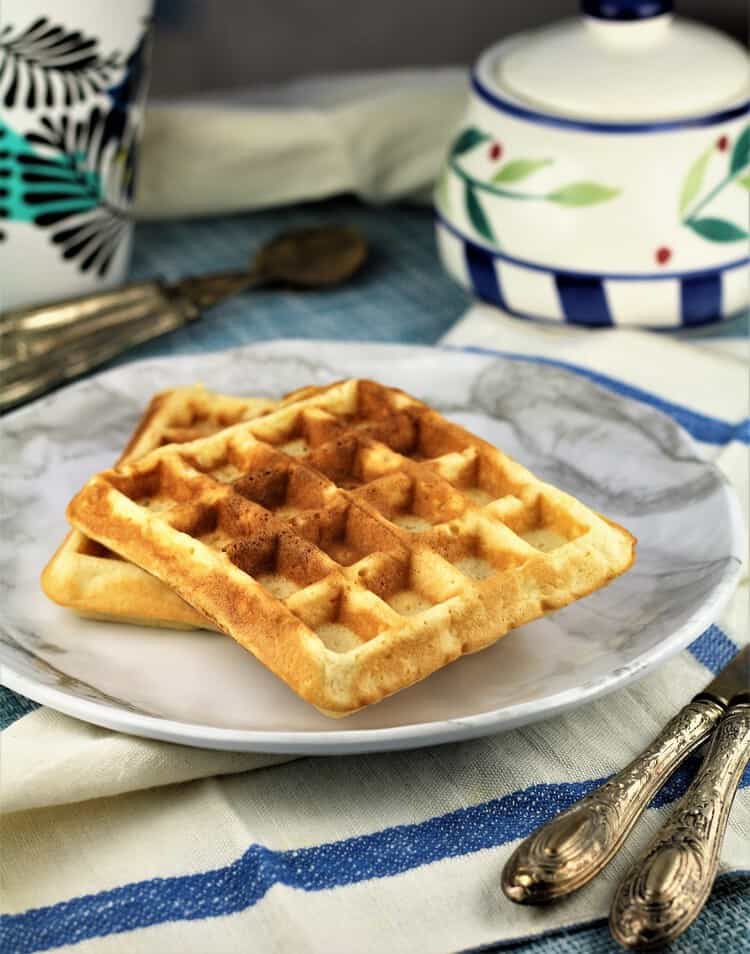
(414, 735)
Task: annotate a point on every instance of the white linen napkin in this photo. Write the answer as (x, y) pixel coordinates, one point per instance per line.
(381, 136)
(50, 759)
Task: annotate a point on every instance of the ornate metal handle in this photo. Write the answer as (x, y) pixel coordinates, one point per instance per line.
(39, 368)
(44, 346)
(665, 890)
(569, 851)
(43, 319)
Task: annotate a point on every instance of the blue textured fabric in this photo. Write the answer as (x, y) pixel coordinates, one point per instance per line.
(713, 650)
(723, 927)
(13, 706)
(402, 296)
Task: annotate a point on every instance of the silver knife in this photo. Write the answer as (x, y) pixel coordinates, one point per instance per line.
(570, 850)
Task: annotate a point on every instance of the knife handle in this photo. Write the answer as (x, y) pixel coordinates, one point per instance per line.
(666, 888)
(570, 850)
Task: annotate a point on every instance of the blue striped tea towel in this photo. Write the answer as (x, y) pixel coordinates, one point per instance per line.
(116, 844)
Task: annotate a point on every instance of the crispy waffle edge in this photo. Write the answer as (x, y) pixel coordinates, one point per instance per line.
(115, 590)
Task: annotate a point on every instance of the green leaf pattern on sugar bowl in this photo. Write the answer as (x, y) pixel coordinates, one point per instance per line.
(695, 200)
(502, 183)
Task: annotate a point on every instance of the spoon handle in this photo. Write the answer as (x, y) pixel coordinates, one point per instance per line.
(91, 313)
(570, 850)
(40, 358)
(204, 291)
(44, 346)
(666, 888)
(45, 319)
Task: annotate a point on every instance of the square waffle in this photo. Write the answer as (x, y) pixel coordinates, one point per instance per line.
(94, 581)
(354, 540)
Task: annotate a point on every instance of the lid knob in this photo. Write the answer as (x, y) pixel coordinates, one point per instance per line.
(626, 9)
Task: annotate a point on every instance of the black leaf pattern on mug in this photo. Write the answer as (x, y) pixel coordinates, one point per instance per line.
(46, 65)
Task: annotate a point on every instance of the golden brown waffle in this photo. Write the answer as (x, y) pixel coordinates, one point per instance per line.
(89, 578)
(353, 540)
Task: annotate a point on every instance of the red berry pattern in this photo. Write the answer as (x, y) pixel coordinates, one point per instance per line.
(663, 255)
(722, 143)
(496, 150)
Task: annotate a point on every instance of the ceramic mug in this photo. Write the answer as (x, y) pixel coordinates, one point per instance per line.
(72, 86)
(594, 221)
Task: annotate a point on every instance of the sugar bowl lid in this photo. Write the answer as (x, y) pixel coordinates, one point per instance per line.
(621, 61)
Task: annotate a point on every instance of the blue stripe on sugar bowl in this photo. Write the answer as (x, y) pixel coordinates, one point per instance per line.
(531, 290)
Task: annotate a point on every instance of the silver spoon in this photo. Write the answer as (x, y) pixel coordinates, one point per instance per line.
(43, 346)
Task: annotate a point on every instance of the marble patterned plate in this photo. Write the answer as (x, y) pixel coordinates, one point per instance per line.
(623, 458)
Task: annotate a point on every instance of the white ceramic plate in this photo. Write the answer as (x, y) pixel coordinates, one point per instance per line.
(623, 458)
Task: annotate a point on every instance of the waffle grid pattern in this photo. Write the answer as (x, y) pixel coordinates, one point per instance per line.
(353, 539)
(94, 581)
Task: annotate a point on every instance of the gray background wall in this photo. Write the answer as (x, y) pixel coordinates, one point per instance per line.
(210, 44)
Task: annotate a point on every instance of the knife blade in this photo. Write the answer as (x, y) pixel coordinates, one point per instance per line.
(733, 679)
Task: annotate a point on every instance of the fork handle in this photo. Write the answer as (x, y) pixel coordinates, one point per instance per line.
(666, 888)
(570, 850)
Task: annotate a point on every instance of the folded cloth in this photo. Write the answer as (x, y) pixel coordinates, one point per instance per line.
(397, 852)
(381, 136)
(50, 759)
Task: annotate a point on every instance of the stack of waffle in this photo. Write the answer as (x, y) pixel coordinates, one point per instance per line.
(349, 537)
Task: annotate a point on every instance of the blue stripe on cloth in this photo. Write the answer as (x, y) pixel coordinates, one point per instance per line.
(708, 430)
(483, 276)
(244, 882)
(713, 649)
(583, 300)
(700, 299)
